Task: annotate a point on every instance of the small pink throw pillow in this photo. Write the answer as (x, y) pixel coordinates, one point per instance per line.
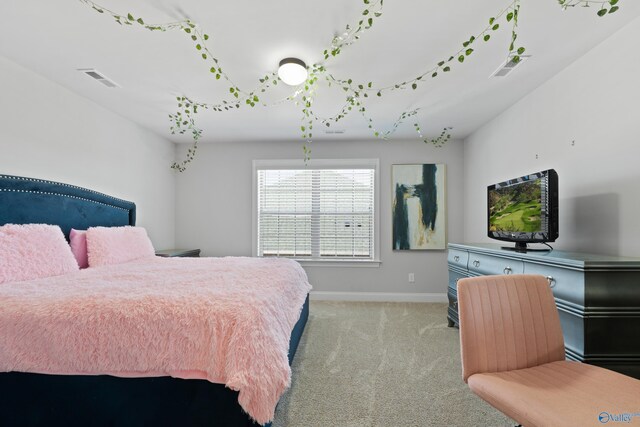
(115, 245)
(78, 243)
(33, 251)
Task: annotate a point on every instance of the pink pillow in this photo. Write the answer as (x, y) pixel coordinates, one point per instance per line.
(115, 245)
(33, 251)
(78, 243)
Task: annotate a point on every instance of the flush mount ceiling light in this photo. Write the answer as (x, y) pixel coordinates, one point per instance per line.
(292, 71)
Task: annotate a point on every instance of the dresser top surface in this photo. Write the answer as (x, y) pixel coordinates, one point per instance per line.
(579, 259)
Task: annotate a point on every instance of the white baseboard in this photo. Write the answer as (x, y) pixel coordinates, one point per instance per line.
(378, 296)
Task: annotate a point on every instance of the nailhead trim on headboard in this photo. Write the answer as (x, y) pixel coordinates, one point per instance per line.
(63, 195)
(65, 185)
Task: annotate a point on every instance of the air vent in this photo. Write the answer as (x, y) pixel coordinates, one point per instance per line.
(98, 76)
(509, 65)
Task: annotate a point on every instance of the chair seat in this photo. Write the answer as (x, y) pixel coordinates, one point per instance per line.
(561, 394)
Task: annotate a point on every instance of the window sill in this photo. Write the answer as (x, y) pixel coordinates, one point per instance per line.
(339, 263)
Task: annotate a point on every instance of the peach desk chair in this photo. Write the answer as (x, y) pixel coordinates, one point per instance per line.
(513, 357)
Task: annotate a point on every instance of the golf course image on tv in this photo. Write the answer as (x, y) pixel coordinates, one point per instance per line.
(516, 208)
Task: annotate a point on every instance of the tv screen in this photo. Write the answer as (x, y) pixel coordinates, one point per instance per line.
(525, 209)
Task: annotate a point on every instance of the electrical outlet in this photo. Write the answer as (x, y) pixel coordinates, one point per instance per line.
(412, 278)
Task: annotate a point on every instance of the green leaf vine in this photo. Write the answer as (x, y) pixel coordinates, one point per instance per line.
(604, 7)
(183, 120)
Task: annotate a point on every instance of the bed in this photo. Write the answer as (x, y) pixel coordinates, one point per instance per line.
(43, 399)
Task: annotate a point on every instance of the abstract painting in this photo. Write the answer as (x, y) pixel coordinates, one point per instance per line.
(419, 206)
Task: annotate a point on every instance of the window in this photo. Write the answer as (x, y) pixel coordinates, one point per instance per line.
(323, 211)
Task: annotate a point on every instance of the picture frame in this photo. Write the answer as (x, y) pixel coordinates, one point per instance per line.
(419, 209)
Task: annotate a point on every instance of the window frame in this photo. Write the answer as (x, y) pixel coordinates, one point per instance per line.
(282, 164)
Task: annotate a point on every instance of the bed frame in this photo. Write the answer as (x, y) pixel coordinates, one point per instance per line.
(79, 400)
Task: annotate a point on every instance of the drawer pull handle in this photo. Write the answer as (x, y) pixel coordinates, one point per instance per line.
(507, 270)
(456, 258)
(552, 281)
(476, 263)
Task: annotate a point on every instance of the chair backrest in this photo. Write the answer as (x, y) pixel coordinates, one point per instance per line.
(507, 322)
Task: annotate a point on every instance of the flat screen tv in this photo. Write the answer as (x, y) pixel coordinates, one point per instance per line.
(524, 210)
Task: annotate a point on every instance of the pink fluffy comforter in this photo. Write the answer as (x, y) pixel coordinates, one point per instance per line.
(227, 320)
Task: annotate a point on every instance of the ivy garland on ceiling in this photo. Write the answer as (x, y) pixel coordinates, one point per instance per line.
(356, 93)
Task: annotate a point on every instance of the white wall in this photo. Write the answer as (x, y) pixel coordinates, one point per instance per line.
(48, 132)
(596, 103)
(214, 210)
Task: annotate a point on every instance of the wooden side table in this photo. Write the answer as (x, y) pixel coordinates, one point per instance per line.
(170, 253)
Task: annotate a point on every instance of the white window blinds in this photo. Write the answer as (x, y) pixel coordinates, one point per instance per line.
(316, 213)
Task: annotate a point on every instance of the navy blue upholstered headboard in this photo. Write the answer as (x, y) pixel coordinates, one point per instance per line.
(29, 200)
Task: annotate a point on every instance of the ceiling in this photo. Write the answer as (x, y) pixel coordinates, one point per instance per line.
(55, 38)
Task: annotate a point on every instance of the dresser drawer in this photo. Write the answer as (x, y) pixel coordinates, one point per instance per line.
(452, 309)
(484, 264)
(458, 258)
(566, 284)
(454, 276)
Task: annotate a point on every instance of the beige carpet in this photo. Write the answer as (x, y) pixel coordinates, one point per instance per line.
(380, 364)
